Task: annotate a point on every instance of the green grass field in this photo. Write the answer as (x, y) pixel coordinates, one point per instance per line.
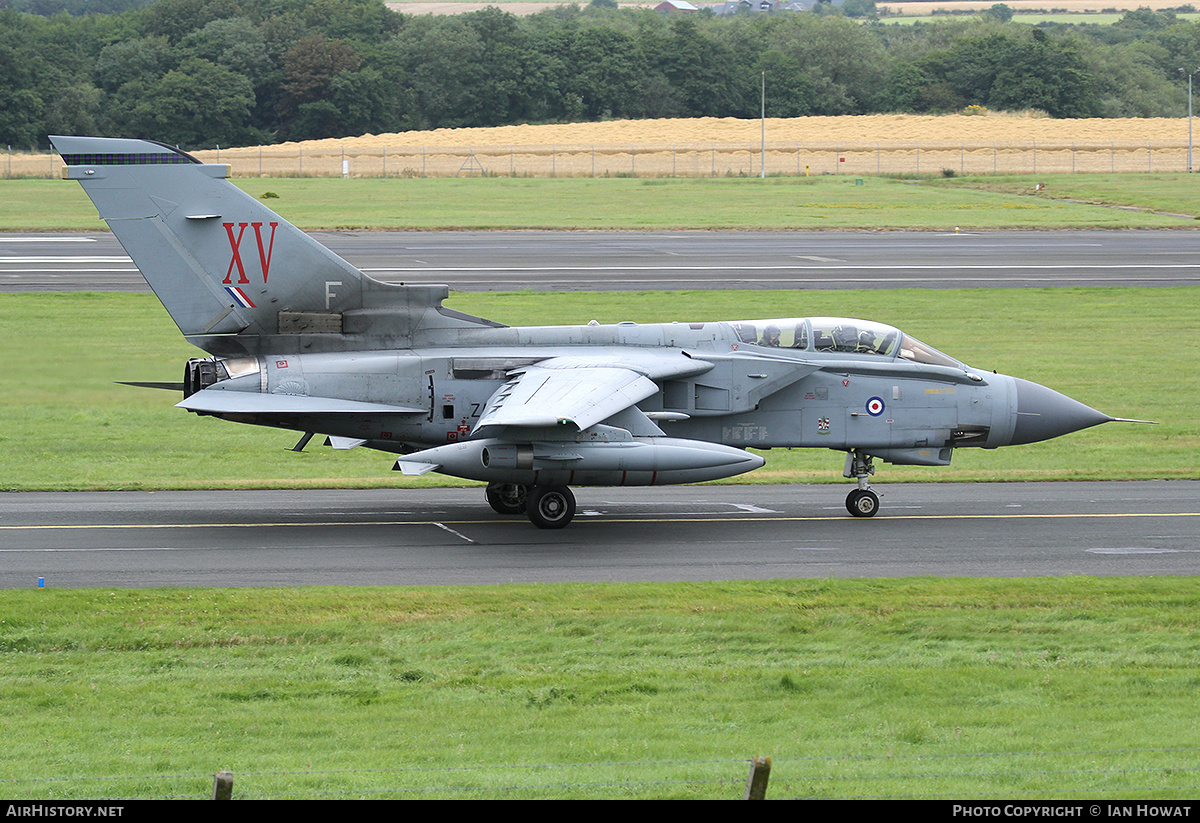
(1048, 688)
(829, 202)
(1162, 194)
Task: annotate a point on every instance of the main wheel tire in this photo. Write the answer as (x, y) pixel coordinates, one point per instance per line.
(862, 503)
(550, 507)
(507, 498)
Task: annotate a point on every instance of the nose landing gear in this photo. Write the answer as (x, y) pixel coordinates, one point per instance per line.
(861, 502)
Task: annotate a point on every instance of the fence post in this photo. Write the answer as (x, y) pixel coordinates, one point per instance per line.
(756, 783)
(223, 786)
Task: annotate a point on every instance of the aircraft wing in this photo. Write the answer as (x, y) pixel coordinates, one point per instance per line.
(582, 391)
(220, 401)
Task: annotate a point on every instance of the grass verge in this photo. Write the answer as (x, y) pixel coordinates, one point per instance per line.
(1160, 193)
(1061, 688)
(827, 202)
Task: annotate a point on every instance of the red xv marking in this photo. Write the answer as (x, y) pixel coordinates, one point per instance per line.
(264, 255)
(236, 260)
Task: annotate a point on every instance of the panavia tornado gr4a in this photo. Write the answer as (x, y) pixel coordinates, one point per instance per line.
(300, 339)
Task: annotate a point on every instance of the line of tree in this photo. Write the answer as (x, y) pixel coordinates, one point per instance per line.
(200, 73)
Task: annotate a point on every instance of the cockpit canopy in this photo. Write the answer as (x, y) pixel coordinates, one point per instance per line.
(840, 335)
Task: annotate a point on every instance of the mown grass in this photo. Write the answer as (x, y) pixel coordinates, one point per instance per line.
(828, 202)
(1161, 193)
(1053, 687)
(69, 425)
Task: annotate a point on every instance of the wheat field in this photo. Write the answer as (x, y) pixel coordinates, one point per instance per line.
(704, 147)
(984, 143)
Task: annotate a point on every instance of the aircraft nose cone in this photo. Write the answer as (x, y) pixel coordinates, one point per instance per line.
(1043, 413)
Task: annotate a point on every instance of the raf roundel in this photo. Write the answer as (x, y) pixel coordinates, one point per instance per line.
(875, 406)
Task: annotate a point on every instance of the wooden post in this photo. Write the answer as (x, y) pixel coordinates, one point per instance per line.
(223, 786)
(756, 784)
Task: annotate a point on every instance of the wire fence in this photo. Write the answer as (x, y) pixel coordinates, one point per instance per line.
(1144, 773)
(691, 160)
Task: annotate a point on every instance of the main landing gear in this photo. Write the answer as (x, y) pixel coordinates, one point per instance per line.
(507, 498)
(548, 507)
(861, 502)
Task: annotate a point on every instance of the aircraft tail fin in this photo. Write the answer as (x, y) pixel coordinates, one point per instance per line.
(231, 272)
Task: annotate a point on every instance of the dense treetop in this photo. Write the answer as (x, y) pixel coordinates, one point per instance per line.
(200, 73)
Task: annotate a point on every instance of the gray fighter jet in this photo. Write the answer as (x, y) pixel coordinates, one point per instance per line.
(300, 339)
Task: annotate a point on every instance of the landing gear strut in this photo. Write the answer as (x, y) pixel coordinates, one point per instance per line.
(861, 502)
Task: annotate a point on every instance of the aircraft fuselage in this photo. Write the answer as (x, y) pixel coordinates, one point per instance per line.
(753, 396)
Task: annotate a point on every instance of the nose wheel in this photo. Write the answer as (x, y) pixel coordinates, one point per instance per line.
(862, 502)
